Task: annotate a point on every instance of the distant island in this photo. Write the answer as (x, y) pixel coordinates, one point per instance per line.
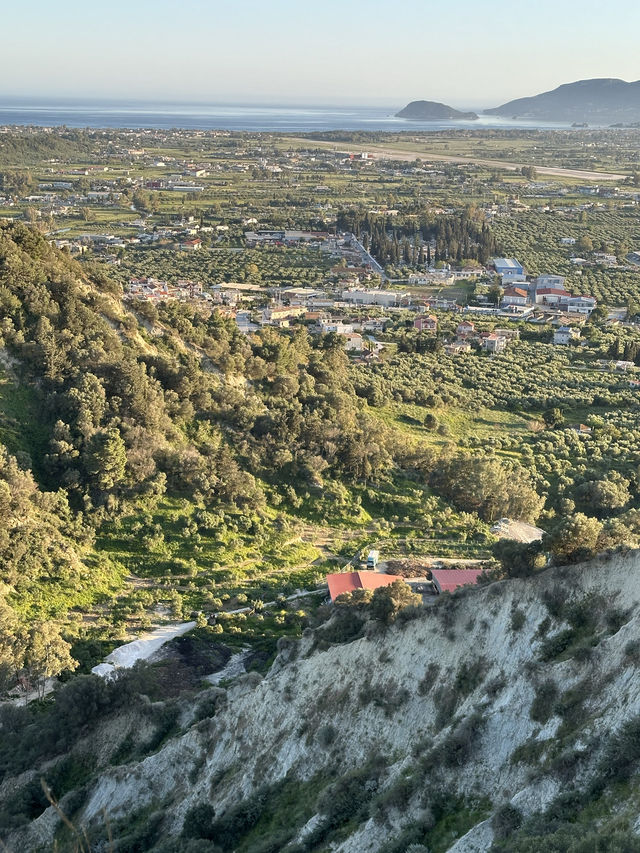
(598, 101)
(433, 111)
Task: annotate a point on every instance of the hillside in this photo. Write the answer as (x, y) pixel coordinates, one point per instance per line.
(599, 101)
(433, 111)
(506, 717)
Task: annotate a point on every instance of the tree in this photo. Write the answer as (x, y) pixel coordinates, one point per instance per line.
(106, 459)
(553, 417)
(47, 654)
(574, 538)
(388, 601)
(16, 183)
(495, 294)
(605, 495)
(12, 642)
(519, 559)
(584, 244)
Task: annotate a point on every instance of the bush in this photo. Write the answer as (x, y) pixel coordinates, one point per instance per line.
(347, 798)
(458, 746)
(505, 821)
(428, 679)
(542, 706)
(326, 735)
(517, 619)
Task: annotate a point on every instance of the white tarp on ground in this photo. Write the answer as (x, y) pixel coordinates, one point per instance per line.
(125, 656)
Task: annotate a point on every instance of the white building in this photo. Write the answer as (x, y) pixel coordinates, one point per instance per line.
(565, 334)
(371, 297)
(337, 327)
(549, 280)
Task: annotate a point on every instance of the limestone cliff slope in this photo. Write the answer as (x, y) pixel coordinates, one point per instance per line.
(506, 695)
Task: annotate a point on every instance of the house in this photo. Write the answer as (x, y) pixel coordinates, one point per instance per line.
(504, 266)
(605, 260)
(494, 343)
(353, 342)
(376, 324)
(551, 295)
(191, 245)
(426, 323)
(565, 334)
(342, 582)
(338, 327)
(549, 280)
(465, 329)
(510, 279)
(274, 315)
(446, 580)
(515, 296)
(456, 347)
(568, 241)
(508, 334)
(579, 304)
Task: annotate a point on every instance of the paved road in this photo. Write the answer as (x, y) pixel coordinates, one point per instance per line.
(388, 153)
(368, 258)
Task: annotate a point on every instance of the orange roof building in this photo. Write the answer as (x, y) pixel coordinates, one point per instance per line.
(342, 582)
(446, 580)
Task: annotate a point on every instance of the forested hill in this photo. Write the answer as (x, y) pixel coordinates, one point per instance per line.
(433, 111)
(103, 410)
(600, 101)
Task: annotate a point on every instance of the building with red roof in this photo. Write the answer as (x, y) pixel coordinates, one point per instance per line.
(426, 323)
(515, 296)
(465, 328)
(342, 582)
(446, 580)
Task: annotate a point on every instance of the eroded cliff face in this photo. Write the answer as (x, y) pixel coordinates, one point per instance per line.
(444, 701)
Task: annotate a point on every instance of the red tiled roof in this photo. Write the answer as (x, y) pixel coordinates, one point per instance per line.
(515, 291)
(447, 580)
(349, 581)
(558, 290)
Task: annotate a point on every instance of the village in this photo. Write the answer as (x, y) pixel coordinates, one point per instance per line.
(345, 302)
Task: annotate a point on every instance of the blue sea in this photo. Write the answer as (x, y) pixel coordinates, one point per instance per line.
(239, 117)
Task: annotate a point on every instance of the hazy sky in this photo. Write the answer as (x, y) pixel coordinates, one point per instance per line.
(465, 52)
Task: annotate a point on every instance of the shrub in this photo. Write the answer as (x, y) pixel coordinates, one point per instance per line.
(428, 679)
(554, 600)
(517, 619)
(542, 706)
(632, 650)
(457, 748)
(326, 735)
(505, 821)
(620, 757)
(348, 797)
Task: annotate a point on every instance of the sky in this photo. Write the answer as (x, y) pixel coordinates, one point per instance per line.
(463, 52)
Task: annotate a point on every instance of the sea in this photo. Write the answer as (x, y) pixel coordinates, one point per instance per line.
(238, 117)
